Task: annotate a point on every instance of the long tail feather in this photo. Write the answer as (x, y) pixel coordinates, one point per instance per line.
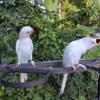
(23, 77)
(65, 77)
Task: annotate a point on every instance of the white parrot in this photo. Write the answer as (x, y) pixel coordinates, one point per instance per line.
(72, 55)
(24, 48)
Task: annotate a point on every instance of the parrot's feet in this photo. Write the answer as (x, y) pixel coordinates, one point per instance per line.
(18, 63)
(16, 66)
(33, 63)
(74, 67)
(81, 65)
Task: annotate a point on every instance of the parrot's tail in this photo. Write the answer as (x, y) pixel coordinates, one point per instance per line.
(23, 77)
(65, 77)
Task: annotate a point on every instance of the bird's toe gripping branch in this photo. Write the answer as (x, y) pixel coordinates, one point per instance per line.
(33, 63)
(74, 67)
(79, 65)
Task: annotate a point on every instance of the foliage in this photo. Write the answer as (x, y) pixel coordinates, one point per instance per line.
(51, 5)
(86, 12)
(69, 8)
(49, 41)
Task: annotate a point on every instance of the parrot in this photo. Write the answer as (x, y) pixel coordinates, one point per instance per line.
(24, 49)
(73, 53)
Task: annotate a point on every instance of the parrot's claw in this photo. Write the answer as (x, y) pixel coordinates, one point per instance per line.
(33, 63)
(83, 66)
(74, 67)
(18, 64)
(79, 65)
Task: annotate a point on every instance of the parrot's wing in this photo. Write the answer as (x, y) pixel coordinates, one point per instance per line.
(71, 55)
(31, 44)
(18, 51)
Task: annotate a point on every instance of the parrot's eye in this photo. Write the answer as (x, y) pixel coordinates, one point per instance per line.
(28, 32)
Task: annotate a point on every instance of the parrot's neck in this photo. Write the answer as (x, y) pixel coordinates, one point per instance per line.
(21, 38)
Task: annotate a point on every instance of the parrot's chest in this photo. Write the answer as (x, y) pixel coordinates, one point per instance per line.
(25, 51)
(25, 48)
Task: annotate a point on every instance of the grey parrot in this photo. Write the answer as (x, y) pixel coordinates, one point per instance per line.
(24, 48)
(73, 52)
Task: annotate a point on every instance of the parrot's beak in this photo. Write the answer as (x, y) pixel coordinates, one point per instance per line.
(98, 41)
(33, 30)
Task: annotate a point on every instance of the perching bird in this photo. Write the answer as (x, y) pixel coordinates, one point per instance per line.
(24, 48)
(72, 55)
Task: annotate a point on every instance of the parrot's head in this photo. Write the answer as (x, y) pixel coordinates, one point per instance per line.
(91, 40)
(26, 31)
(95, 36)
